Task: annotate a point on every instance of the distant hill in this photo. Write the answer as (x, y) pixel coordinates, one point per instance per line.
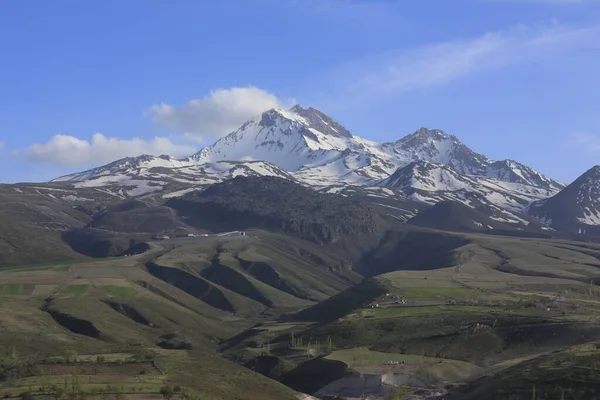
(277, 205)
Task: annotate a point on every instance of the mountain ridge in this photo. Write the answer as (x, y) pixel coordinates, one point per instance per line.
(306, 146)
(290, 140)
(576, 208)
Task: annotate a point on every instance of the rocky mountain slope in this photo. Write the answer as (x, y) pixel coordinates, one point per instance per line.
(144, 175)
(431, 183)
(278, 205)
(576, 209)
(309, 147)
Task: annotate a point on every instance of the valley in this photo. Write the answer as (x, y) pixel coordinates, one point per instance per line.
(269, 308)
(292, 259)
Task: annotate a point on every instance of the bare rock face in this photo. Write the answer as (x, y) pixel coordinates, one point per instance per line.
(576, 209)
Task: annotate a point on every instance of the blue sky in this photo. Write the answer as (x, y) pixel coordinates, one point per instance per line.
(86, 82)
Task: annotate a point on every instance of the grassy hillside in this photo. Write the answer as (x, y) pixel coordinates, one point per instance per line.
(488, 306)
(46, 316)
(571, 373)
(291, 303)
(177, 300)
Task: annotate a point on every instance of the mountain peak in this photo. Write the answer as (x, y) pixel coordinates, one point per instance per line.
(576, 208)
(297, 109)
(435, 145)
(426, 135)
(592, 173)
(321, 121)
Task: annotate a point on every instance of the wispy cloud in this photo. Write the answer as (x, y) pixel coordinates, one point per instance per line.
(405, 70)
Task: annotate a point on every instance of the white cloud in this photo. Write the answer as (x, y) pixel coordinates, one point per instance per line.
(216, 115)
(438, 64)
(68, 150)
(2, 145)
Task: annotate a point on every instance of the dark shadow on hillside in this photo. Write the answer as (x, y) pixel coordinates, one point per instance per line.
(270, 366)
(411, 250)
(76, 325)
(314, 374)
(231, 279)
(129, 312)
(99, 244)
(458, 217)
(340, 304)
(268, 275)
(193, 285)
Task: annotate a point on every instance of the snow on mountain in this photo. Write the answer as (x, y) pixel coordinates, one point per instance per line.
(318, 150)
(436, 146)
(136, 176)
(576, 208)
(512, 171)
(308, 146)
(433, 183)
(125, 166)
(284, 138)
(348, 166)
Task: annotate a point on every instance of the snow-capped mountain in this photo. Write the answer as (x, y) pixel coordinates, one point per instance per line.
(436, 146)
(432, 183)
(308, 146)
(136, 176)
(512, 171)
(319, 150)
(291, 139)
(576, 209)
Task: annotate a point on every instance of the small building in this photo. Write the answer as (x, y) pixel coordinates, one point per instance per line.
(558, 299)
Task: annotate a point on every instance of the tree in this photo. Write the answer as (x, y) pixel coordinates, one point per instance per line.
(57, 392)
(167, 392)
(398, 393)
